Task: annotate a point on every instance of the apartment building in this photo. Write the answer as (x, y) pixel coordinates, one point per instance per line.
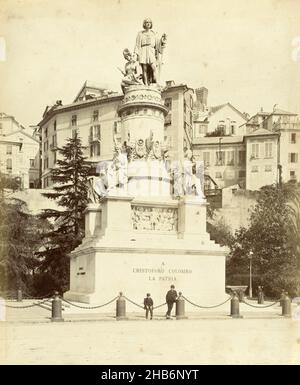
(19, 152)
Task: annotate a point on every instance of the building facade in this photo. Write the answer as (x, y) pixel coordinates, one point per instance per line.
(19, 152)
(97, 121)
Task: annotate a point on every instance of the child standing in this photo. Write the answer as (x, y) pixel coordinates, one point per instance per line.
(148, 305)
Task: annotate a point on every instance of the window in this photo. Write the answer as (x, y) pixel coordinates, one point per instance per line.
(233, 127)
(168, 119)
(31, 162)
(268, 150)
(220, 158)
(45, 163)
(293, 137)
(200, 130)
(54, 140)
(230, 158)
(255, 150)
(46, 132)
(168, 103)
(95, 132)
(74, 120)
(221, 129)
(242, 157)
(54, 157)
(254, 169)
(46, 146)
(9, 149)
(293, 175)
(117, 128)
(206, 158)
(268, 168)
(9, 165)
(242, 173)
(191, 117)
(95, 149)
(54, 125)
(293, 157)
(218, 175)
(74, 133)
(96, 116)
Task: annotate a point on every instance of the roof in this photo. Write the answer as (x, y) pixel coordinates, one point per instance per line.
(261, 132)
(21, 132)
(214, 109)
(216, 140)
(79, 104)
(3, 115)
(278, 111)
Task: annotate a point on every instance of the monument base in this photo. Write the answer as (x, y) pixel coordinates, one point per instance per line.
(147, 261)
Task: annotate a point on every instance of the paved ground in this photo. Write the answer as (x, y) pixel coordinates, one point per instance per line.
(261, 337)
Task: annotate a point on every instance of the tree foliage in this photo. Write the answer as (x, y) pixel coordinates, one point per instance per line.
(70, 193)
(275, 257)
(20, 237)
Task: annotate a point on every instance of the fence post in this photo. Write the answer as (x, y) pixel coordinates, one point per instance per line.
(260, 296)
(19, 295)
(121, 308)
(180, 311)
(286, 306)
(56, 309)
(235, 306)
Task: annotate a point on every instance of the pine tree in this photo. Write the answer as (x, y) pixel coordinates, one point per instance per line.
(69, 190)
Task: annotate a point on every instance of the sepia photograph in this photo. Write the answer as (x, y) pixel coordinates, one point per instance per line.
(149, 185)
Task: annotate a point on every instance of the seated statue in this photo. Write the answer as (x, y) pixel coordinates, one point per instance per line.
(132, 74)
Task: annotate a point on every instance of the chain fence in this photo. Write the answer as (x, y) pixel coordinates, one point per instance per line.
(90, 307)
(206, 307)
(25, 306)
(48, 298)
(261, 306)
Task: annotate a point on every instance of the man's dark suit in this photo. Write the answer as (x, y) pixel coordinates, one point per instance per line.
(170, 299)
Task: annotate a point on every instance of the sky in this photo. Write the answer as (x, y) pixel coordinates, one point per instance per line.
(245, 52)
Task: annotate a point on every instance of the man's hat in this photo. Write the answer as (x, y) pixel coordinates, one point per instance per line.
(148, 294)
(172, 287)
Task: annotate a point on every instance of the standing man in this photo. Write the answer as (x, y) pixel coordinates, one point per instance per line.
(170, 299)
(148, 48)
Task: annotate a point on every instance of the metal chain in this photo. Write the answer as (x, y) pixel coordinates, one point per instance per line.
(260, 307)
(89, 307)
(134, 303)
(25, 306)
(158, 306)
(206, 307)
